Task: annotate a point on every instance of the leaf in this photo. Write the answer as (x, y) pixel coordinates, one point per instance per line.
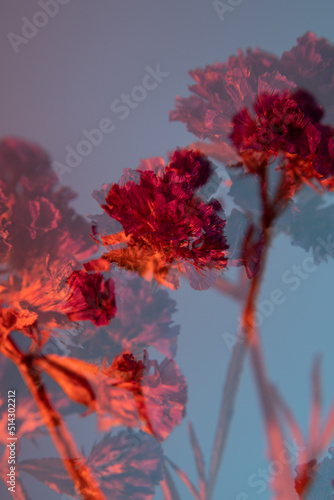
(184, 477)
(75, 377)
(168, 487)
(199, 461)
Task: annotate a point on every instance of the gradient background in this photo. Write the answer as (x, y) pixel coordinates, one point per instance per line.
(65, 79)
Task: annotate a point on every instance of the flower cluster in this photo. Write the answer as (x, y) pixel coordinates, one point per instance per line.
(286, 124)
(167, 228)
(286, 121)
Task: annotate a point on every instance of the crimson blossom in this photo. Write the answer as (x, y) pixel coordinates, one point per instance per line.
(286, 124)
(167, 228)
(287, 120)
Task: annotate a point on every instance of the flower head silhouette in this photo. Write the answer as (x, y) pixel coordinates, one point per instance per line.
(92, 298)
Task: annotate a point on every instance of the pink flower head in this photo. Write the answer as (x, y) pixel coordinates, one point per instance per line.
(310, 64)
(132, 392)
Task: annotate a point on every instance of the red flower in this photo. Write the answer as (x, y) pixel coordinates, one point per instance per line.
(166, 225)
(92, 298)
(223, 89)
(193, 167)
(130, 392)
(288, 125)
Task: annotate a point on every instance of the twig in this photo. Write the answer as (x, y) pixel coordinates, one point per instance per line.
(85, 484)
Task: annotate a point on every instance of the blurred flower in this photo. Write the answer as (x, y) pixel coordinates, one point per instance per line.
(92, 298)
(310, 64)
(143, 318)
(128, 391)
(223, 89)
(132, 390)
(122, 471)
(42, 239)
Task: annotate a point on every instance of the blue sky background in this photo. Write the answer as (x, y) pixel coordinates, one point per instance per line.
(65, 79)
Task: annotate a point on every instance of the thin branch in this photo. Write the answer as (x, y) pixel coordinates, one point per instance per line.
(85, 484)
(293, 425)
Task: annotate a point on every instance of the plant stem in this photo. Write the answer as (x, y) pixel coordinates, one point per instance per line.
(231, 385)
(85, 484)
(235, 367)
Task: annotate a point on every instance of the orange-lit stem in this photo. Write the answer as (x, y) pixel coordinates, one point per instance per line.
(85, 484)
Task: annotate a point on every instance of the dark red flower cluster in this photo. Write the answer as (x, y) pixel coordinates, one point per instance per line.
(286, 124)
(167, 227)
(285, 120)
(223, 89)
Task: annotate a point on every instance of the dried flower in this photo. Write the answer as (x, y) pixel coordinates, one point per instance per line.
(167, 227)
